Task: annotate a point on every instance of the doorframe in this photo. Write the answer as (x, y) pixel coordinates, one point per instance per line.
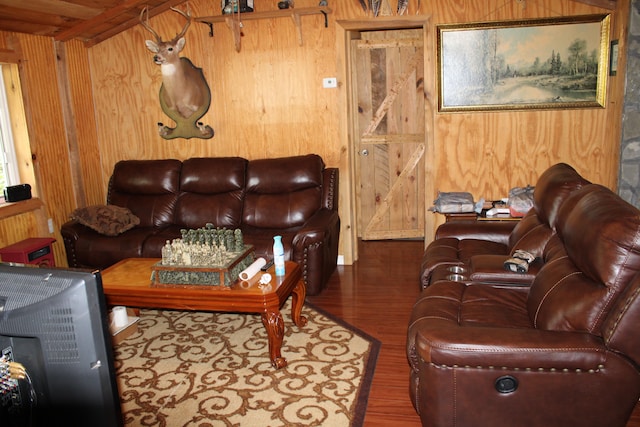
(346, 30)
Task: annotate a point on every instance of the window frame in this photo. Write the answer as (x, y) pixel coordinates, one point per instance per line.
(7, 144)
(11, 76)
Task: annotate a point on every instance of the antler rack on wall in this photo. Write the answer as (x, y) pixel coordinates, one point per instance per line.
(235, 25)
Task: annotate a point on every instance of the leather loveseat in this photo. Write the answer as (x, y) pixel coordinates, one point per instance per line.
(561, 349)
(481, 248)
(295, 197)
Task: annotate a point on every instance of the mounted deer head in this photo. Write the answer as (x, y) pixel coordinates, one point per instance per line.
(184, 95)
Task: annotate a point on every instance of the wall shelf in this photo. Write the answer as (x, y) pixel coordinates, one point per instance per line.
(234, 21)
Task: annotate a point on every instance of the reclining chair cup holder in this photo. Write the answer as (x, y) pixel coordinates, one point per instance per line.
(456, 269)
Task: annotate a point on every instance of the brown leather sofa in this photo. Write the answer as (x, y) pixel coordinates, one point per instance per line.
(562, 351)
(295, 197)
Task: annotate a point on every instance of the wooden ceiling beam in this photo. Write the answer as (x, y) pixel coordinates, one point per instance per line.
(27, 17)
(18, 27)
(131, 8)
(87, 25)
(132, 22)
(54, 7)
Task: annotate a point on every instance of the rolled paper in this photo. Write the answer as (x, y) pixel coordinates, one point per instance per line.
(253, 269)
(120, 316)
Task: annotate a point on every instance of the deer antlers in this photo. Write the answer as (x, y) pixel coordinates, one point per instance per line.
(186, 15)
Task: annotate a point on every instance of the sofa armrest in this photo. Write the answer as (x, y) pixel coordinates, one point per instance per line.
(316, 228)
(490, 269)
(86, 248)
(330, 177)
(495, 231)
(71, 232)
(315, 248)
(515, 348)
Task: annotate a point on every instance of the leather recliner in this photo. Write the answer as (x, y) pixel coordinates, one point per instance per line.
(563, 352)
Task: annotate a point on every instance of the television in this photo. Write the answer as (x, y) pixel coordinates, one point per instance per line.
(56, 355)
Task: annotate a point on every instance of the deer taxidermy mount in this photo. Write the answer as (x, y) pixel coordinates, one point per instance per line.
(184, 95)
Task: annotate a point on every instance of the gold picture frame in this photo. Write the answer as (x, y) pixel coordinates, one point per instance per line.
(521, 65)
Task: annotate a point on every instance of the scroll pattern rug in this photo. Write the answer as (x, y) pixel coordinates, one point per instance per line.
(188, 369)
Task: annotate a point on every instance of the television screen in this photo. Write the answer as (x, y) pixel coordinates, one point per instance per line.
(56, 356)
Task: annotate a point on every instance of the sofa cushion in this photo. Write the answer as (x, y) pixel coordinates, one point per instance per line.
(109, 220)
(445, 305)
(283, 192)
(211, 191)
(149, 188)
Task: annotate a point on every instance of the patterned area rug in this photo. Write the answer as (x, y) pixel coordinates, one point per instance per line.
(188, 369)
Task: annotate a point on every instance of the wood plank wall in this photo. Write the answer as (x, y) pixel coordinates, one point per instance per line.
(268, 101)
(48, 143)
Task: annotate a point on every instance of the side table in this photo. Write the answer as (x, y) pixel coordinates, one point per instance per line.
(35, 250)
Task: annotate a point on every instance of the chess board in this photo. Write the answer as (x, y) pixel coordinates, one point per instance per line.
(223, 275)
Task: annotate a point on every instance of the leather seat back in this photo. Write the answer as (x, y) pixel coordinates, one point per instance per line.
(529, 236)
(552, 189)
(601, 237)
(283, 193)
(148, 188)
(212, 191)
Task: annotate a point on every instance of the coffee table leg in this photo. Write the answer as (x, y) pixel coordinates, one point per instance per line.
(297, 301)
(274, 324)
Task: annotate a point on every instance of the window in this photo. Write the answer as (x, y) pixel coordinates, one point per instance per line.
(15, 153)
(8, 163)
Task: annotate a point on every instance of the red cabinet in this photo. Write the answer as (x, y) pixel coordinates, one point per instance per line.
(35, 250)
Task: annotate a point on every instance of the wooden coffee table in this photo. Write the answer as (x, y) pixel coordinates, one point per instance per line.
(128, 283)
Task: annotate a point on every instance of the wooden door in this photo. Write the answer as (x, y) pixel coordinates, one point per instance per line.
(388, 87)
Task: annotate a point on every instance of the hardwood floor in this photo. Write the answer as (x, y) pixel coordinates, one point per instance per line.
(376, 295)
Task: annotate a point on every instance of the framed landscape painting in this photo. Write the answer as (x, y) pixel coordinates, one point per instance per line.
(519, 65)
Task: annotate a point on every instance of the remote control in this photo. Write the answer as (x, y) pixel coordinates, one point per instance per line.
(267, 266)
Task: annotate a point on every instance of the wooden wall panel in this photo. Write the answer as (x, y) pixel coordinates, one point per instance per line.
(88, 151)
(267, 100)
(488, 153)
(47, 138)
(15, 228)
